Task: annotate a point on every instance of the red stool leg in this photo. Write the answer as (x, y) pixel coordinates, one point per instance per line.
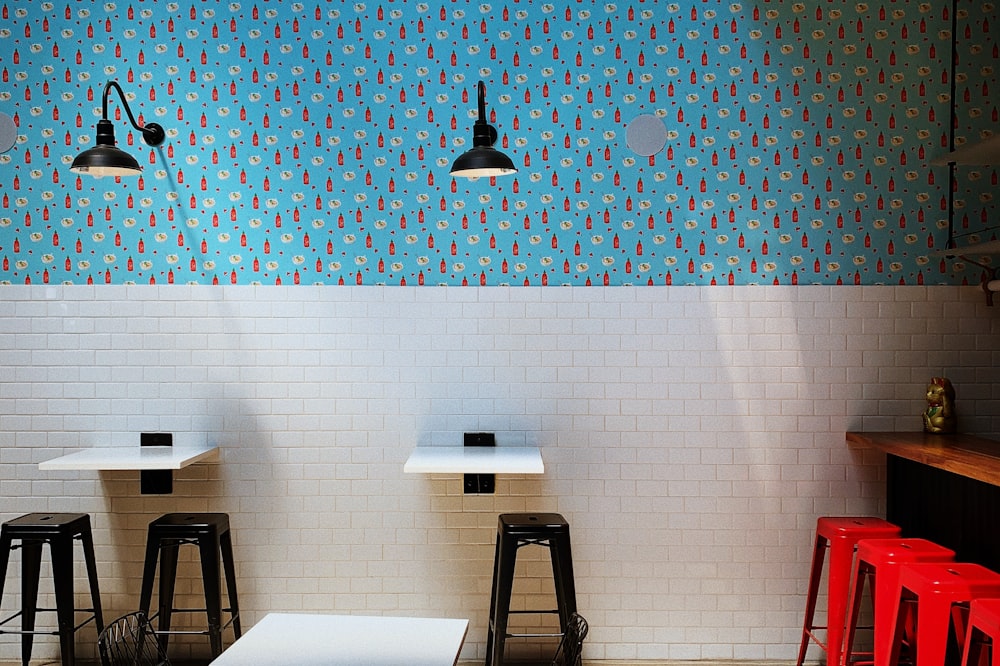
(933, 625)
(994, 652)
(841, 562)
(972, 649)
(815, 574)
(863, 571)
(983, 633)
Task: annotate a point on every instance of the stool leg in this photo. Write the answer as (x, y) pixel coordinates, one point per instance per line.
(493, 602)
(148, 575)
(562, 573)
(862, 574)
(87, 539)
(6, 543)
(168, 578)
(62, 579)
(933, 625)
(210, 552)
(501, 601)
(972, 647)
(960, 620)
(885, 594)
(839, 577)
(228, 563)
(815, 573)
(31, 565)
(900, 620)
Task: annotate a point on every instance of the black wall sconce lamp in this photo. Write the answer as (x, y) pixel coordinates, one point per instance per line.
(482, 160)
(105, 159)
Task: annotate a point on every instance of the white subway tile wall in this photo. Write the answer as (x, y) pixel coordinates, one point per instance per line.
(691, 436)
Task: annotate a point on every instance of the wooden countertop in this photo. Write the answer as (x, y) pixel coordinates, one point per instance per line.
(966, 455)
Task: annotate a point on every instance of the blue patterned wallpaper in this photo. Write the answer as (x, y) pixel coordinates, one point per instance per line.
(310, 142)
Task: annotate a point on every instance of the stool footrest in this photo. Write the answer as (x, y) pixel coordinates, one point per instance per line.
(815, 638)
(46, 632)
(232, 618)
(556, 635)
(189, 610)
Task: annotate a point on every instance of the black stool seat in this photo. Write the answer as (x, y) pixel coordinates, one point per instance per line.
(59, 531)
(210, 533)
(515, 530)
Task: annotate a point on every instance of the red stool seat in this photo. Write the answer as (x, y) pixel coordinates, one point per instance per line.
(933, 591)
(878, 562)
(840, 535)
(984, 623)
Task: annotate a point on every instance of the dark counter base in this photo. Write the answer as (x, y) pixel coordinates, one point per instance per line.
(952, 510)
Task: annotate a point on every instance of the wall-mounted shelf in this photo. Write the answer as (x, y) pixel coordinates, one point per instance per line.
(981, 153)
(475, 460)
(132, 458)
(155, 464)
(986, 247)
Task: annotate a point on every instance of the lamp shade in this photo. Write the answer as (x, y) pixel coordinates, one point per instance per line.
(482, 162)
(105, 159)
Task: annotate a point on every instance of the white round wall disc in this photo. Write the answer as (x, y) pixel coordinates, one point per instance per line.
(8, 133)
(646, 135)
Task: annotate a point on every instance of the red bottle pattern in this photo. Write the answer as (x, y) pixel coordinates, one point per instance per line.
(312, 144)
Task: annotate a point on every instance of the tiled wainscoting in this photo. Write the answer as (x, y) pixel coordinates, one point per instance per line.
(691, 436)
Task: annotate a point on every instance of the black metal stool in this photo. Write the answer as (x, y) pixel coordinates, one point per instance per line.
(59, 530)
(515, 530)
(210, 532)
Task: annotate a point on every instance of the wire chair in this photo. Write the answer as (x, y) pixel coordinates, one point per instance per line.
(570, 650)
(130, 641)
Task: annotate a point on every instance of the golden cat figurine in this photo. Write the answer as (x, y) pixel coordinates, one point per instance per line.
(939, 417)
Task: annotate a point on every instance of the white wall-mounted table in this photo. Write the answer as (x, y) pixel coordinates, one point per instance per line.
(154, 463)
(305, 639)
(475, 460)
(132, 457)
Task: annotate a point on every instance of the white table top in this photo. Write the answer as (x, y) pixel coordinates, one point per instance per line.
(133, 457)
(475, 460)
(304, 639)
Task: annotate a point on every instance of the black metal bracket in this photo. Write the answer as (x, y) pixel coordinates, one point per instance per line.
(484, 484)
(156, 481)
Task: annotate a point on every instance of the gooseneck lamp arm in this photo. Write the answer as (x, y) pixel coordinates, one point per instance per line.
(152, 133)
(483, 134)
(106, 159)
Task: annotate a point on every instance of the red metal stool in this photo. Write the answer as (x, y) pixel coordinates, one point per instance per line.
(936, 592)
(878, 562)
(984, 624)
(840, 535)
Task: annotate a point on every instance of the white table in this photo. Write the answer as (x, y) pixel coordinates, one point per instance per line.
(304, 639)
(475, 460)
(155, 463)
(133, 457)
